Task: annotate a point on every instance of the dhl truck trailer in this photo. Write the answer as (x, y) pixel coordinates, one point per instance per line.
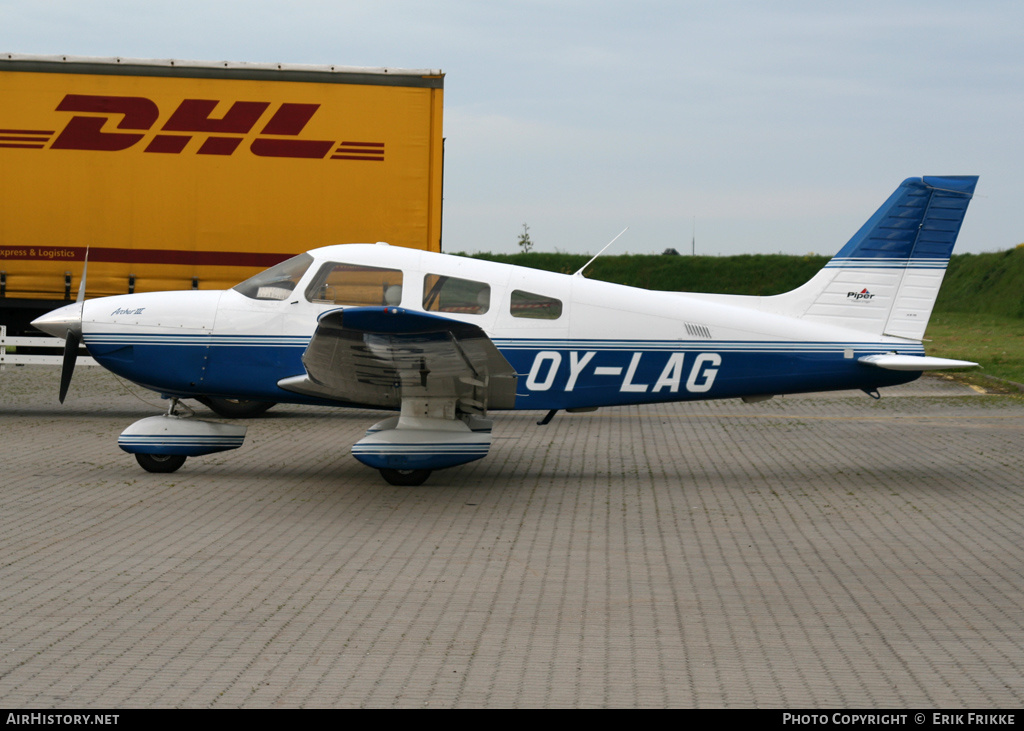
(178, 174)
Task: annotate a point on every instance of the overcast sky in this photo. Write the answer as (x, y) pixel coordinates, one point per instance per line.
(769, 126)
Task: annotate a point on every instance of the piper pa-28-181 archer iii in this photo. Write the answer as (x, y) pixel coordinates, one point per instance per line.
(444, 340)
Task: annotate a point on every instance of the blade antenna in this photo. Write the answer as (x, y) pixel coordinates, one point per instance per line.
(580, 272)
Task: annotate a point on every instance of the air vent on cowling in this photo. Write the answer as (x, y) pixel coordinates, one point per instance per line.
(698, 331)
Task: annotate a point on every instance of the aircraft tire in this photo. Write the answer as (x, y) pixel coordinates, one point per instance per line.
(232, 408)
(160, 462)
(405, 478)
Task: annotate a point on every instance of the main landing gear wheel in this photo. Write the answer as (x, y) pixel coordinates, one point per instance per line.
(160, 462)
(232, 408)
(405, 478)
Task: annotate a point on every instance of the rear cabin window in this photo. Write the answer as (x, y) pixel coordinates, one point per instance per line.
(338, 283)
(451, 294)
(535, 306)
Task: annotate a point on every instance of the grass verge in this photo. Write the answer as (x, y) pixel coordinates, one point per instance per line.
(995, 342)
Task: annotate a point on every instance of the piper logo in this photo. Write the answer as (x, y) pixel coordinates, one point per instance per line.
(135, 117)
(862, 295)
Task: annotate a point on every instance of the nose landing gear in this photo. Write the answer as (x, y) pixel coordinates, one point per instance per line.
(162, 443)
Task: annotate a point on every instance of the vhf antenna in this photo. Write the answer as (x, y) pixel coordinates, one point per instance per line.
(580, 272)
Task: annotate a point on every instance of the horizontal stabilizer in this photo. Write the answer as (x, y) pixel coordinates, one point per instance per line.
(897, 362)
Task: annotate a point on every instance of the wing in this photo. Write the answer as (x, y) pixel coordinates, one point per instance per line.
(378, 356)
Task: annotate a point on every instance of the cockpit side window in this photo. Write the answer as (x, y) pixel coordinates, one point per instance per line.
(535, 306)
(338, 283)
(450, 294)
(278, 282)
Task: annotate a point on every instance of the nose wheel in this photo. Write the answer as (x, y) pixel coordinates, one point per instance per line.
(160, 462)
(162, 443)
(405, 478)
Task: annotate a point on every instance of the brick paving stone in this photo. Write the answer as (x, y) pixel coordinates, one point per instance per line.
(821, 551)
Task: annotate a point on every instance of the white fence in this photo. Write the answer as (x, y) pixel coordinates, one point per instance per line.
(54, 348)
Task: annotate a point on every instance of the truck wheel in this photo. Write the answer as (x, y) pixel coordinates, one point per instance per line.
(160, 462)
(233, 408)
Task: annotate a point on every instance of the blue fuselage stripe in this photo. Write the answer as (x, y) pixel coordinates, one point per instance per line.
(553, 374)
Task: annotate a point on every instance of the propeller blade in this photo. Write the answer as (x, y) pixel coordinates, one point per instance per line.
(73, 339)
(68, 367)
(81, 285)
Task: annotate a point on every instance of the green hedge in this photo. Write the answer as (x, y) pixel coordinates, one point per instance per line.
(980, 283)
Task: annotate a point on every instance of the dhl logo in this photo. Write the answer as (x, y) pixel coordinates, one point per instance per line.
(91, 128)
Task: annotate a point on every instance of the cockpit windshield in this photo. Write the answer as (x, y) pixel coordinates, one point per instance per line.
(278, 282)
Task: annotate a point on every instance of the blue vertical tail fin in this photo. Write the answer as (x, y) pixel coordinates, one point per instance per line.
(887, 277)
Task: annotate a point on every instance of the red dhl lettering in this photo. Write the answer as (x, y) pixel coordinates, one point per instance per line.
(116, 123)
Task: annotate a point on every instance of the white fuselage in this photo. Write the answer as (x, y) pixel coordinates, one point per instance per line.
(601, 344)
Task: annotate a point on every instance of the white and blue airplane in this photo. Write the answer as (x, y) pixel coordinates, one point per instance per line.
(445, 340)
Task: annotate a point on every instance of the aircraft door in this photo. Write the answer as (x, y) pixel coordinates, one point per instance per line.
(340, 284)
(257, 337)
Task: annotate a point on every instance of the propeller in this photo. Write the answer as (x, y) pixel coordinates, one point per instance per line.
(73, 338)
(66, 322)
